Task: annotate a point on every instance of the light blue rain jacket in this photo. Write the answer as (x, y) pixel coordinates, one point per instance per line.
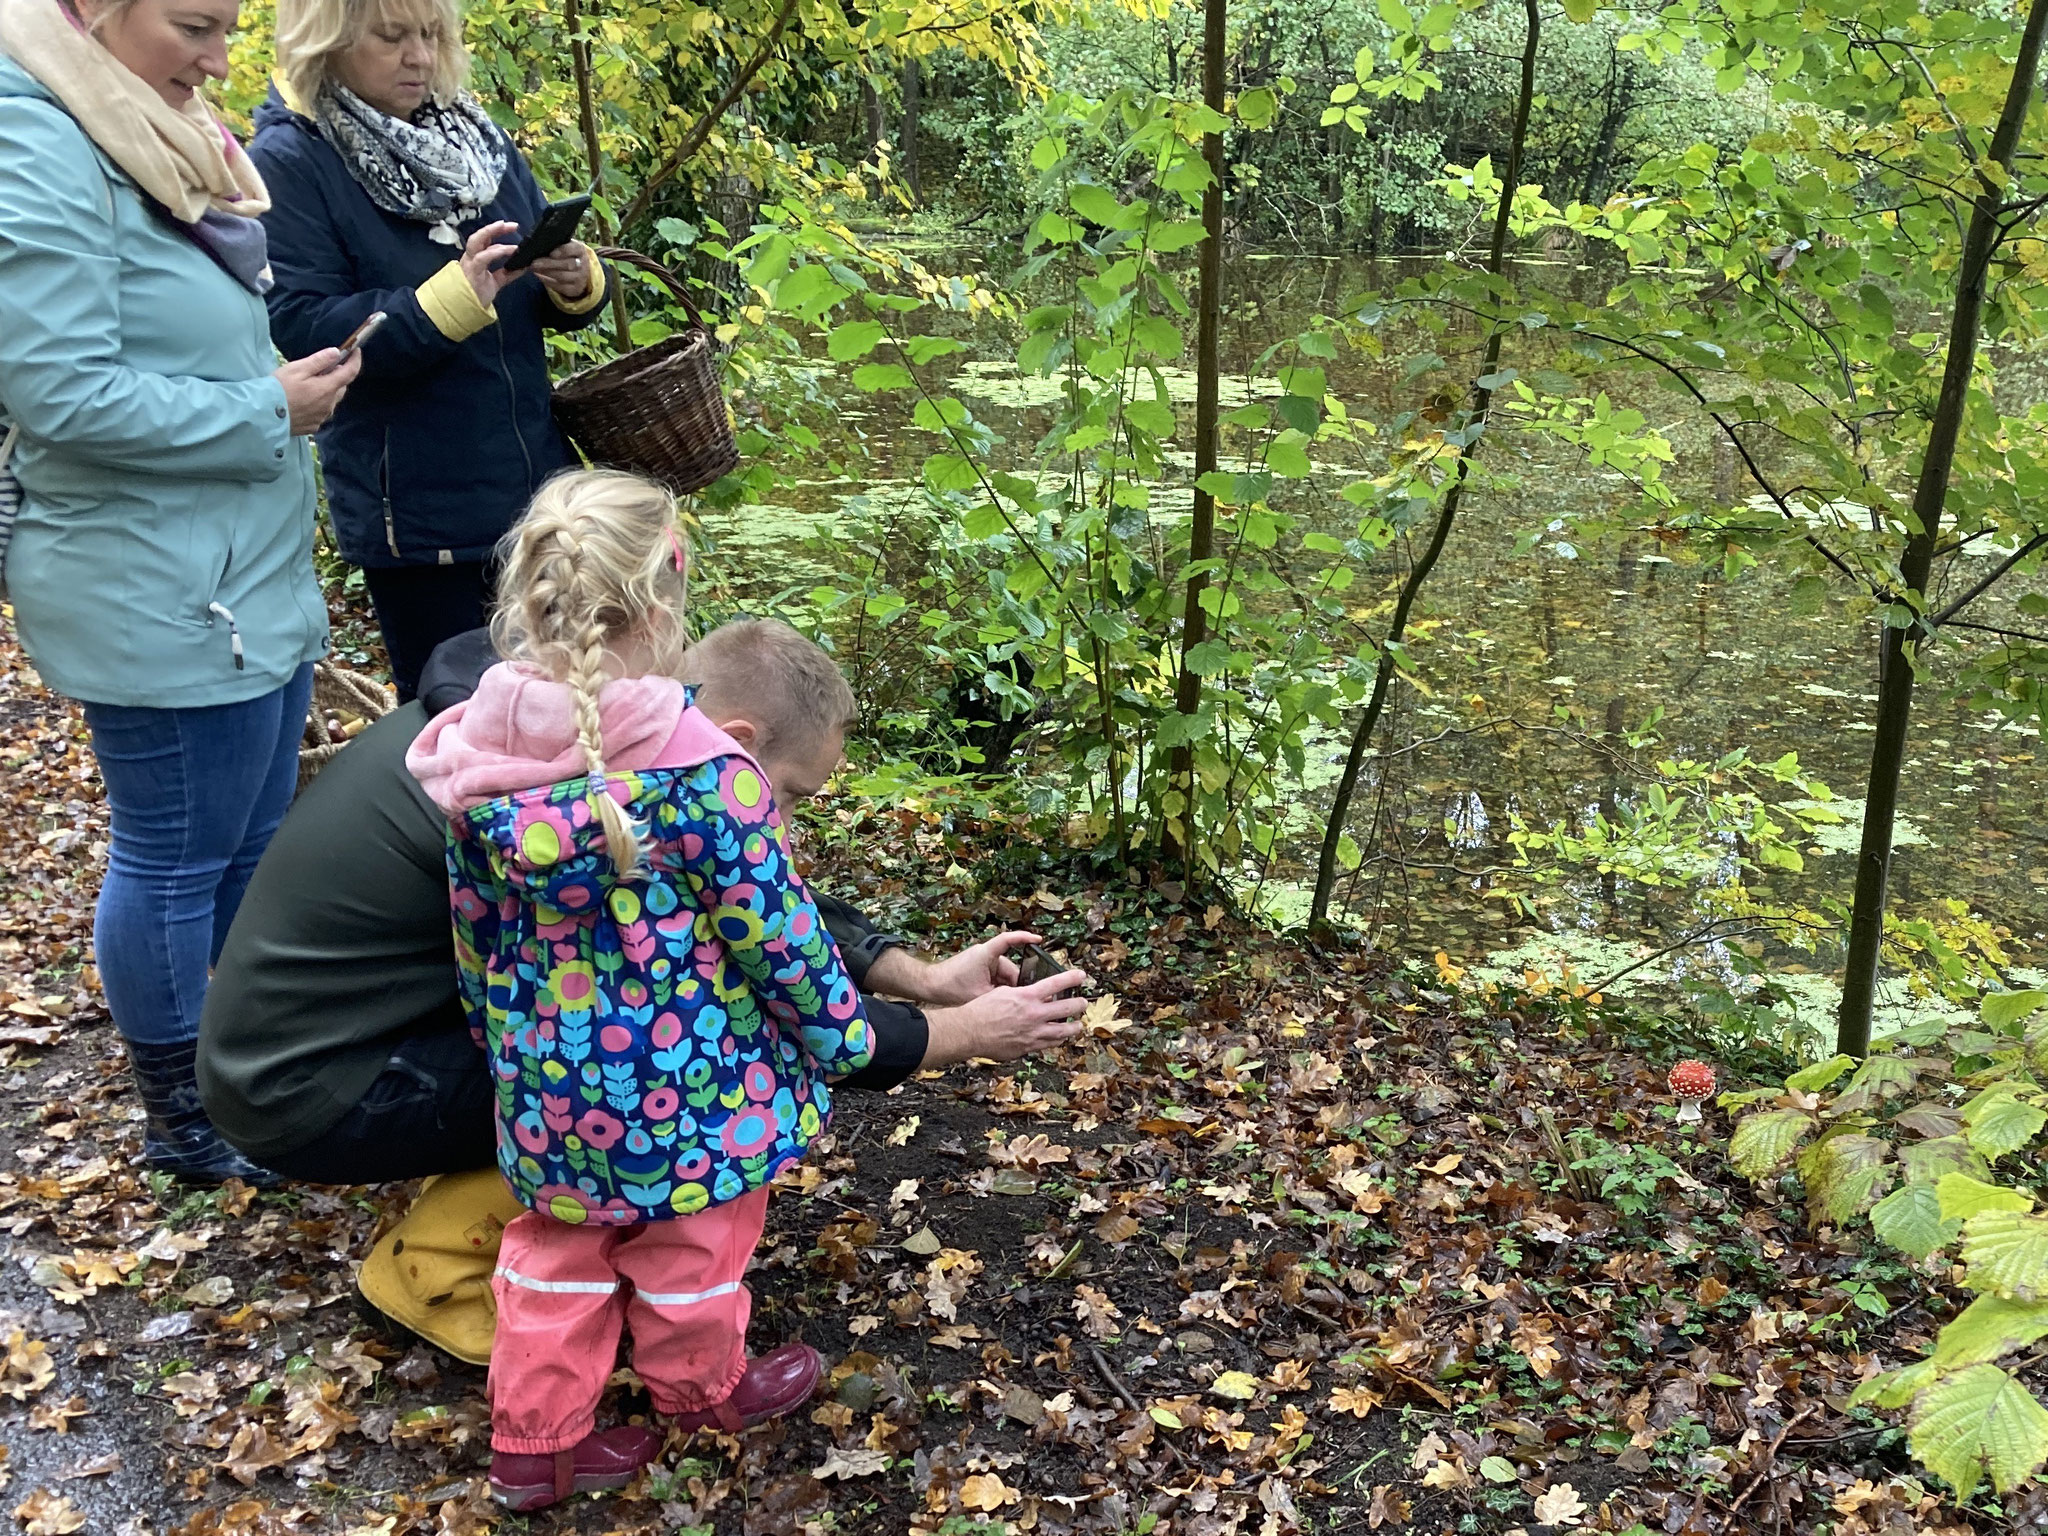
(168, 508)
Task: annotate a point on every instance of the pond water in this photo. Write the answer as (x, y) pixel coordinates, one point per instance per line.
(1613, 632)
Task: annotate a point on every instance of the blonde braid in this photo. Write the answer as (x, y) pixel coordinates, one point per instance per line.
(593, 565)
(586, 677)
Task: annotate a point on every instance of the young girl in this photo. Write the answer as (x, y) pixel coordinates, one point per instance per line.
(658, 996)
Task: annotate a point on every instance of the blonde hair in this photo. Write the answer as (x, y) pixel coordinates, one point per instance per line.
(595, 566)
(764, 671)
(311, 32)
(100, 15)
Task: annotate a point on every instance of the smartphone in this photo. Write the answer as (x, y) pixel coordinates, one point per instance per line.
(1035, 964)
(557, 226)
(363, 332)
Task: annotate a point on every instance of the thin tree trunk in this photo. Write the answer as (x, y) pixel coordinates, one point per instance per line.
(1476, 416)
(586, 112)
(1613, 112)
(1930, 497)
(906, 152)
(1187, 688)
(871, 115)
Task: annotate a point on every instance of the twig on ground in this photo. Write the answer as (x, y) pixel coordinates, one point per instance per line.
(1116, 1384)
(1770, 1456)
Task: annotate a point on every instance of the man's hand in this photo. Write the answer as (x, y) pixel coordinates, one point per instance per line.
(1005, 1022)
(960, 979)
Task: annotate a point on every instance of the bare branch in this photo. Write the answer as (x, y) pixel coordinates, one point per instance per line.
(1947, 615)
(701, 129)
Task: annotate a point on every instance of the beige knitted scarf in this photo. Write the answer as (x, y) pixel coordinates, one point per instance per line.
(182, 157)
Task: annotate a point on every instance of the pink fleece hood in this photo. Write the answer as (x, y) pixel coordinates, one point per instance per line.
(518, 731)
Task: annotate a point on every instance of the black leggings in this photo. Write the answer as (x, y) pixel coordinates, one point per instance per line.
(429, 1111)
(419, 606)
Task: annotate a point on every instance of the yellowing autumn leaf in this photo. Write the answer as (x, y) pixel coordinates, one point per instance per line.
(844, 1464)
(987, 1490)
(45, 1514)
(192, 1391)
(1428, 1450)
(1028, 1152)
(28, 1368)
(1290, 1376)
(1239, 1386)
(1116, 1228)
(57, 1416)
(1449, 1472)
(1100, 1018)
(93, 1269)
(1096, 1312)
(1366, 1196)
(1559, 1504)
(1355, 1401)
(1534, 1342)
(905, 1129)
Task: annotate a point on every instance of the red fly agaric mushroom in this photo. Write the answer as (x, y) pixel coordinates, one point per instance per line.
(1692, 1081)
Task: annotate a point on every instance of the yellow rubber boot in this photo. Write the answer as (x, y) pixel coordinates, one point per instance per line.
(432, 1272)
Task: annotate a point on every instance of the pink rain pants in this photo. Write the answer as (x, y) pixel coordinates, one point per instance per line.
(564, 1291)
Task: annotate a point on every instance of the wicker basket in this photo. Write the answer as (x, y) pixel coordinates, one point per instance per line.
(341, 695)
(658, 411)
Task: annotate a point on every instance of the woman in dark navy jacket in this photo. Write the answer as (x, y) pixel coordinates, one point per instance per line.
(390, 189)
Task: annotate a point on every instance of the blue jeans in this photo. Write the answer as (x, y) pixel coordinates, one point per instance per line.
(194, 796)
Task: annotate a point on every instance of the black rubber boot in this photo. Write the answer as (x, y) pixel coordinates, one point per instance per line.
(180, 1140)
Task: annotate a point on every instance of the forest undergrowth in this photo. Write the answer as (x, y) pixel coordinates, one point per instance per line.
(1287, 1241)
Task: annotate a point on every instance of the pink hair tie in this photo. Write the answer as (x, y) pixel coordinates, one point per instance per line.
(676, 544)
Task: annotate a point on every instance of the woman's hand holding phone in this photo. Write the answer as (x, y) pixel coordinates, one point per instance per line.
(565, 270)
(483, 258)
(314, 385)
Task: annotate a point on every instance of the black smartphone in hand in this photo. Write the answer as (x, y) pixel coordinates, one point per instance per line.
(556, 226)
(1036, 964)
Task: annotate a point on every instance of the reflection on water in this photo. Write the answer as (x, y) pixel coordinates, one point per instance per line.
(1610, 634)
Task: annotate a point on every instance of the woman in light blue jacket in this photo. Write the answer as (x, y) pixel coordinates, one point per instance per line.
(161, 571)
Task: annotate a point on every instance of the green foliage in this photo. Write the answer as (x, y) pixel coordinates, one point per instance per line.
(1630, 1176)
(1979, 1420)
(1910, 1219)
(1367, 104)
(1764, 1143)
(1969, 1418)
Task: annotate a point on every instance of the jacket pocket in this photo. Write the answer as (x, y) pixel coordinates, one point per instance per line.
(209, 556)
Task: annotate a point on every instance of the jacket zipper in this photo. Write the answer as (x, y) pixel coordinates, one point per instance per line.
(512, 394)
(384, 479)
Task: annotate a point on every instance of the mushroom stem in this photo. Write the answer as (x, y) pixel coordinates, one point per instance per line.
(1688, 1109)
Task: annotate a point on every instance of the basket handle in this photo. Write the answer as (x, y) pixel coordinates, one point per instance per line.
(645, 263)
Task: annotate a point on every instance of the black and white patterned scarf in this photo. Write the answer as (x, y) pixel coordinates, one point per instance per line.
(442, 168)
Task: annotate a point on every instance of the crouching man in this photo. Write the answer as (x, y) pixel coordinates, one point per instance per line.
(333, 1048)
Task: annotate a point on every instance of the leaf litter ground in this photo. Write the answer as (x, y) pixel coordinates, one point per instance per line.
(1282, 1243)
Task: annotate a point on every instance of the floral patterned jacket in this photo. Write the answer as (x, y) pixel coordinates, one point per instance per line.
(659, 1044)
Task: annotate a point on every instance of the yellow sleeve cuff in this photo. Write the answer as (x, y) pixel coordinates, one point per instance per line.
(592, 298)
(452, 304)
